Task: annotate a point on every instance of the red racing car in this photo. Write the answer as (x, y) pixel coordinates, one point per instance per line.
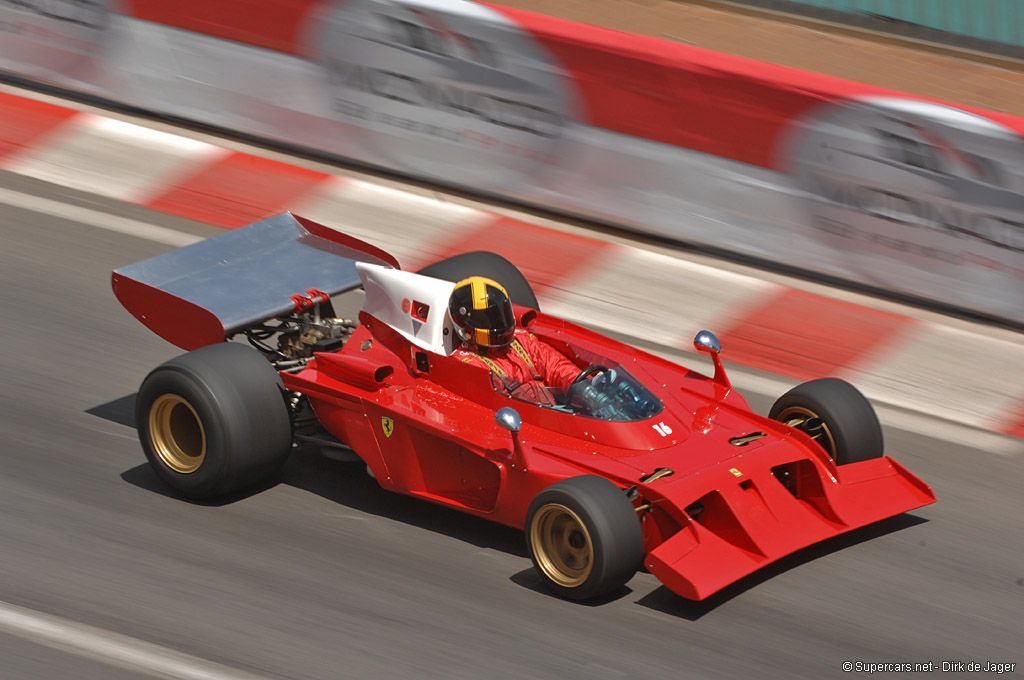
(639, 463)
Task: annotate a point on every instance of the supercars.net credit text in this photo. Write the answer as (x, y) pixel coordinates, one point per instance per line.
(929, 667)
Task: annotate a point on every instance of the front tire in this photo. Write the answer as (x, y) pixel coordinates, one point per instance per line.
(850, 429)
(584, 537)
(214, 420)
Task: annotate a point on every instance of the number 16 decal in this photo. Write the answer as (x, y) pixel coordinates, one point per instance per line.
(662, 429)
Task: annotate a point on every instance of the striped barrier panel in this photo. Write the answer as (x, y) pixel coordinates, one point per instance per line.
(916, 196)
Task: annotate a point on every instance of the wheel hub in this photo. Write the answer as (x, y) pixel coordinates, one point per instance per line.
(807, 420)
(177, 433)
(562, 545)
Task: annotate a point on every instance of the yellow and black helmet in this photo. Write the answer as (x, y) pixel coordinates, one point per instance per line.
(482, 312)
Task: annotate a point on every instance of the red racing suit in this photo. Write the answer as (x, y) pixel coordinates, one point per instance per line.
(524, 365)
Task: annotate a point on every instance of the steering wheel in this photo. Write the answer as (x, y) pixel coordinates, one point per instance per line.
(573, 395)
(587, 372)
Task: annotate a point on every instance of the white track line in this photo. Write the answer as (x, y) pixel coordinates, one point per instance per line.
(95, 218)
(111, 648)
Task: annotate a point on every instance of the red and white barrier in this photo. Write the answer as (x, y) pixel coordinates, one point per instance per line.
(922, 197)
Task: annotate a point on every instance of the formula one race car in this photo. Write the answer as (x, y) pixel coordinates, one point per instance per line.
(642, 464)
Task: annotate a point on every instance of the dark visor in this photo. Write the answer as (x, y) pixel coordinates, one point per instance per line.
(498, 318)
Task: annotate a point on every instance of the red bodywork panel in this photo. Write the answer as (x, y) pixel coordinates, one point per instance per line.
(432, 434)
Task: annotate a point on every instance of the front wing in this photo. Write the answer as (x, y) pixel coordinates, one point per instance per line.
(768, 511)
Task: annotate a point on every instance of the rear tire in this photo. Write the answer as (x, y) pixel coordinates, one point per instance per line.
(491, 265)
(850, 429)
(584, 537)
(214, 420)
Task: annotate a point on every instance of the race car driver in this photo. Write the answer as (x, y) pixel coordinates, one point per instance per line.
(521, 363)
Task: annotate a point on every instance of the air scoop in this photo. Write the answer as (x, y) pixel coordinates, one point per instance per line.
(657, 474)
(745, 439)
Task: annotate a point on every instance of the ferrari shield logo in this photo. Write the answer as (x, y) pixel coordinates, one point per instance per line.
(387, 425)
(735, 472)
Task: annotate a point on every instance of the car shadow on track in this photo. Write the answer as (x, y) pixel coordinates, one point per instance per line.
(349, 485)
(664, 600)
(530, 579)
(144, 477)
(120, 411)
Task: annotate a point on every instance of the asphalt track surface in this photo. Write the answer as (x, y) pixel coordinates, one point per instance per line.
(105, 574)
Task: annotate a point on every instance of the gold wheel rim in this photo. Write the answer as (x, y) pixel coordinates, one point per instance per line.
(177, 433)
(827, 442)
(562, 545)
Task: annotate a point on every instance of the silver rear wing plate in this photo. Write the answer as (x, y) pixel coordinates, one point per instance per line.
(200, 294)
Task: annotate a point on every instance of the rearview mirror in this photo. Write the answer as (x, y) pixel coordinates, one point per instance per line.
(705, 341)
(509, 419)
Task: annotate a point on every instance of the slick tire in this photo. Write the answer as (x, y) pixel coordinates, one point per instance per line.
(850, 428)
(584, 537)
(491, 265)
(214, 420)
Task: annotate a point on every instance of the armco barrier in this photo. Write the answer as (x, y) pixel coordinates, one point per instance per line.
(878, 187)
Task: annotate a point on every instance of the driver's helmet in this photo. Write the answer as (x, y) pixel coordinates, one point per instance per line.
(482, 312)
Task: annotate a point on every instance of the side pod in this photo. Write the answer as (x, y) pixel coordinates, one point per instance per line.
(355, 370)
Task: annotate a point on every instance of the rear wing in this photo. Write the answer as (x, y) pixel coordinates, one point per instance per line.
(200, 294)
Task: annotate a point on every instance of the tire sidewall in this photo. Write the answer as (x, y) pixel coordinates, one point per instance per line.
(240, 401)
(846, 412)
(204, 481)
(611, 522)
